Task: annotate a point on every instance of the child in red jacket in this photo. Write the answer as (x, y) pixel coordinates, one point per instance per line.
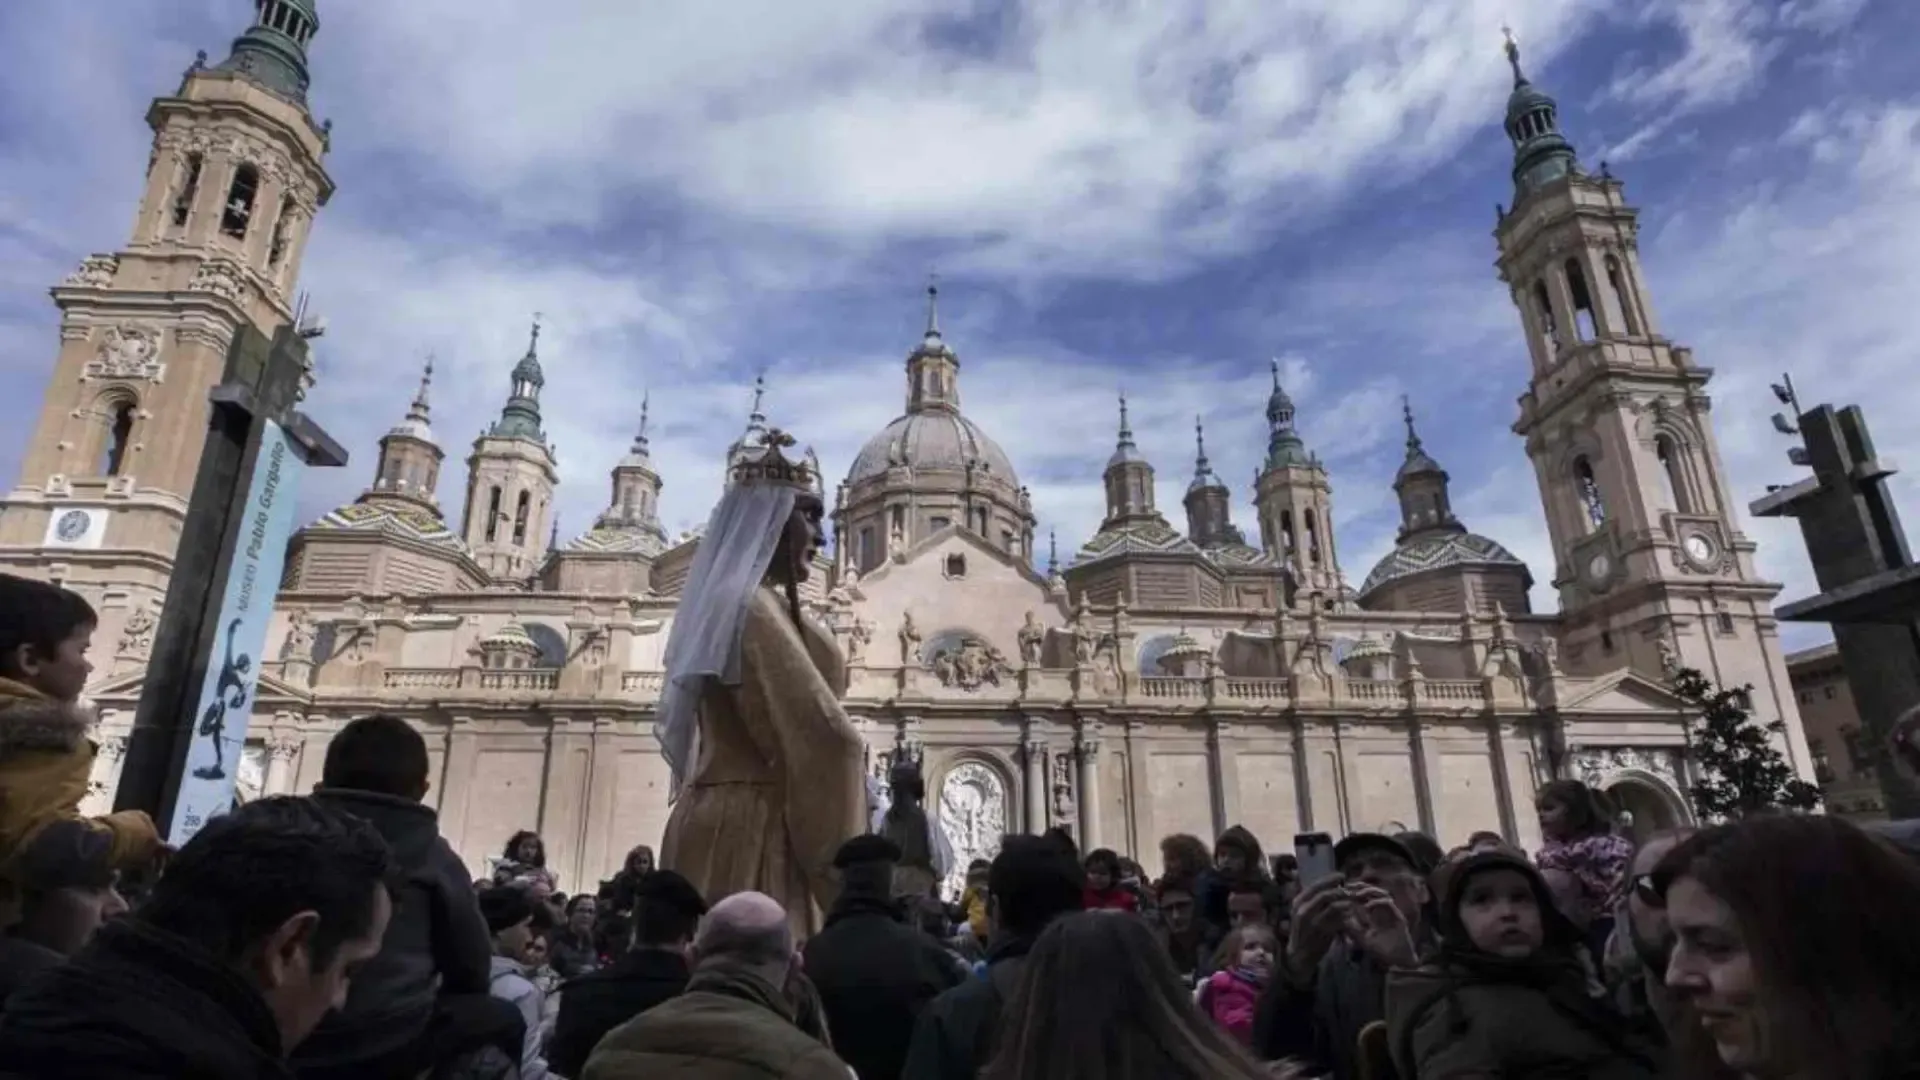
(1103, 889)
(1231, 994)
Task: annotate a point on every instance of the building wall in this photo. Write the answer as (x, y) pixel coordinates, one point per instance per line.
(1834, 737)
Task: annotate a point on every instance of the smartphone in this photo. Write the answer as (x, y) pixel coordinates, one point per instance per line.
(1314, 852)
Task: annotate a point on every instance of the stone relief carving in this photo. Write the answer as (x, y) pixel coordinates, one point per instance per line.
(250, 779)
(969, 664)
(909, 641)
(973, 812)
(95, 272)
(221, 277)
(1599, 766)
(859, 633)
(300, 634)
(127, 352)
(1669, 657)
(1063, 805)
(136, 637)
(1032, 637)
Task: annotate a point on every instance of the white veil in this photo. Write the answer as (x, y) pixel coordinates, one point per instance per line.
(730, 563)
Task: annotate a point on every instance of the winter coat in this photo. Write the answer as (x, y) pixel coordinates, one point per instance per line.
(1598, 866)
(436, 942)
(953, 1039)
(138, 1003)
(509, 983)
(1114, 899)
(596, 1003)
(572, 957)
(1320, 1024)
(1446, 1021)
(875, 975)
(46, 763)
(20, 962)
(729, 1025)
(514, 872)
(1231, 997)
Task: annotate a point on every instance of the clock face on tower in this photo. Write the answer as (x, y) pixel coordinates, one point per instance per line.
(1699, 548)
(72, 525)
(1599, 565)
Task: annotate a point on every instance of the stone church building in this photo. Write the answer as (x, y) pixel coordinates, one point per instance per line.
(1160, 679)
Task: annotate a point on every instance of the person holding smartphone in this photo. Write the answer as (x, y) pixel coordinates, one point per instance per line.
(1359, 913)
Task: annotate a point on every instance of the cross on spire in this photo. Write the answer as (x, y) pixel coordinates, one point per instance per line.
(933, 305)
(1406, 411)
(1513, 55)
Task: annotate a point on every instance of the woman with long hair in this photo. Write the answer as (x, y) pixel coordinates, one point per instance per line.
(1796, 951)
(524, 861)
(1099, 1001)
(1184, 857)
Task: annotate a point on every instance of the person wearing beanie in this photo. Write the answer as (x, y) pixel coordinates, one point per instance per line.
(874, 971)
(508, 910)
(1505, 994)
(66, 881)
(666, 913)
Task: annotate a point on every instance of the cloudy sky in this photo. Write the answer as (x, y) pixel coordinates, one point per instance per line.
(1155, 196)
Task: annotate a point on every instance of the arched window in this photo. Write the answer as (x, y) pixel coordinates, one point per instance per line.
(238, 210)
(1589, 490)
(189, 188)
(1313, 538)
(1672, 478)
(119, 438)
(1543, 312)
(1286, 532)
(1584, 325)
(493, 514)
(521, 511)
(1616, 280)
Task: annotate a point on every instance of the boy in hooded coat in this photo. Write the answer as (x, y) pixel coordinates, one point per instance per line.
(1505, 995)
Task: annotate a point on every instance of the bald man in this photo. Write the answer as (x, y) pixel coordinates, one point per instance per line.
(1636, 960)
(734, 1020)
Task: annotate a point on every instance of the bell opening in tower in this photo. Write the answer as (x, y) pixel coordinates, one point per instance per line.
(493, 515)
(189, 188)
(119, 439)
(521, 508)
(240, 196)
(277, 247)
(1583, 321)
(1616, 283)
(1590, 500)
(1543, 310)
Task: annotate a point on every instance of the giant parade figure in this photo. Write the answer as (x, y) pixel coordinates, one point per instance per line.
(767, 773)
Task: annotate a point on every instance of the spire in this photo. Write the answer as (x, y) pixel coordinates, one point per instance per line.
(272, 54)
(1284, 445)
(1541, 154)
(415, 424)
(1418, 460)
(1053, 555)
(521, 416)
(640, 446)
(1124, 450)
(933, 370)
(1203, 475)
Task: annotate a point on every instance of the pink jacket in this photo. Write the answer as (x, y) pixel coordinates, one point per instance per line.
(1230, 998)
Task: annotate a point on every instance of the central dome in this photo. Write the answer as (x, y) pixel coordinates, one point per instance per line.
(934, 439)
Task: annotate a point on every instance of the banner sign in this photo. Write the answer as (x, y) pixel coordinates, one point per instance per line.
(253, 577)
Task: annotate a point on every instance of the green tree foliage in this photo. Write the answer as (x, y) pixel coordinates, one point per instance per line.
(1741, 771)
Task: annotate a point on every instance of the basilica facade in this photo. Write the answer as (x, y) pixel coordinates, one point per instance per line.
(1173, 674)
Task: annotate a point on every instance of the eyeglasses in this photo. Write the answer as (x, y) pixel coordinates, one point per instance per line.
(1647, 892)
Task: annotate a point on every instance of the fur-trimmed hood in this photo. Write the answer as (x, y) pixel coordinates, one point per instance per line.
(30, 720)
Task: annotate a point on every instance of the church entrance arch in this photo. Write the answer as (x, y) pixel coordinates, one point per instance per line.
(973, 813)
(1648, 807)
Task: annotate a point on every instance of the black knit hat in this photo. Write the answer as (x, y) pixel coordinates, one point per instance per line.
(669, 890)
(66, 855)
(868, 848)
(505, 906)
(1450, 886)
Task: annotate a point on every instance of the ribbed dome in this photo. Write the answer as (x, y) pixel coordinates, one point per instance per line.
(934, 439)
(1434, 552)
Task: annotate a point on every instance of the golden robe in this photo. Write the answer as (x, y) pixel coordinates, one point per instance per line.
(780, 780)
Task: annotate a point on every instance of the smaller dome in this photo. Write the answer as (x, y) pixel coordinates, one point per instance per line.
(1367, 648)
(510, 637)
(1436, 552)
(404, 524)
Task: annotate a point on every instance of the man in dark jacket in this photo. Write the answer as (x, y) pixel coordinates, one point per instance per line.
(424, 997)
(1237, 860)
(1347, 932)
(250, 936)
(666, 911)
(1031, 883)
(66, 880)
(874, 972)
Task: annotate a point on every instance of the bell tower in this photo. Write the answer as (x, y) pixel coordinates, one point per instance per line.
(1295, 501)
(1618, 425)
(511, 475)
(233, 183)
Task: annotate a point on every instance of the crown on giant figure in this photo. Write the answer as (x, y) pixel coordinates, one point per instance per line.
(765, 463)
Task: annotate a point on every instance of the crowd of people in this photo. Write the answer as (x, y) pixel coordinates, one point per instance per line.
(338, 934)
